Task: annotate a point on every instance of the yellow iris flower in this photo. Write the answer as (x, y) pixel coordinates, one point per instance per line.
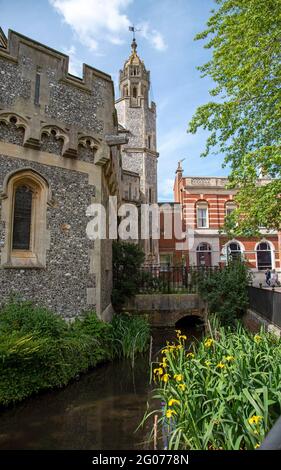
(170, 413)
(178, 377)
(257, 339)
(229, 358)
(182, 387)
(173, 401)
(165, 378)
(190, 354)
(255, 419)
(220, 365)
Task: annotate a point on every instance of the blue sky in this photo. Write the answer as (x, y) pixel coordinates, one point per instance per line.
(96, 32)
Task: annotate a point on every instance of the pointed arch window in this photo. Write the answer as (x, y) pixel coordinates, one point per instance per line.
(24, 209)
(22, 218)
(135, 92)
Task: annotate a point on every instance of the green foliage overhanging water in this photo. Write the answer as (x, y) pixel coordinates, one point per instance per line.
(39, 350)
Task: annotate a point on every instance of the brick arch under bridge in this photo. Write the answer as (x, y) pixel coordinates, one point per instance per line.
(167, 309)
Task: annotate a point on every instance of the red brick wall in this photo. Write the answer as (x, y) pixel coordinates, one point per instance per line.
(216, 214)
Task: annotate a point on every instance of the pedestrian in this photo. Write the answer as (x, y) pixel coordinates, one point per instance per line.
(274, 279)
(267, 276)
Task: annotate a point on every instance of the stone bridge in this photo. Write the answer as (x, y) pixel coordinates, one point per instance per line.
(167, 309)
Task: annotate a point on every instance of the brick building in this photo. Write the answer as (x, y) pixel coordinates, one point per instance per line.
(205, 203)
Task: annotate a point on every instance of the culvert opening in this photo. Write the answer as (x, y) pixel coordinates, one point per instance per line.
(190, 321)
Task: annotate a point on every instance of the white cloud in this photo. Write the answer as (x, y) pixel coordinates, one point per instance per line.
(158, 40)
(152, 35)
(93, 20)
(96, 21)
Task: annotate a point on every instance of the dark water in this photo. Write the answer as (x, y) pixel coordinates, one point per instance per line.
(101, 411)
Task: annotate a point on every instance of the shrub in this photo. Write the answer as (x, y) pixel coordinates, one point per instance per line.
(39, 350)
(225, 291)
(127, 261)
(224, 394)
(25, 318)
(30, 364)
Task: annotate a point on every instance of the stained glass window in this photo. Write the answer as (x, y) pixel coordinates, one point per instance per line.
(22, 218)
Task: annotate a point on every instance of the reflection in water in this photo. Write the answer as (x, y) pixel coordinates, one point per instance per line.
(101, 411)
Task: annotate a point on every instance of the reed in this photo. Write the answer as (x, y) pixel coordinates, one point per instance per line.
(224, 393)
(131, 335)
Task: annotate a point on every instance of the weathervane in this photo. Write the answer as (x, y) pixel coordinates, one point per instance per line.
(133, 29)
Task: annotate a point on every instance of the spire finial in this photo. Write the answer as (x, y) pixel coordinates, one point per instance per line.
(179, 168)
(134, 43)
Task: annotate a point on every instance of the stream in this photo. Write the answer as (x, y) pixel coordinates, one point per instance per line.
(100, 411)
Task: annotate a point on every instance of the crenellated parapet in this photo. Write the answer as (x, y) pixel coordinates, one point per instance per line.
(53, 108)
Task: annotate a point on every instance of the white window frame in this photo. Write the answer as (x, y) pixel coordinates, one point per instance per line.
(228, 205)
(272, 249)
(199, 206)
(242, 249)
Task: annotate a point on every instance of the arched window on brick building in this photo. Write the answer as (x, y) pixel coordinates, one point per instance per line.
(264, 256)
(234, 251)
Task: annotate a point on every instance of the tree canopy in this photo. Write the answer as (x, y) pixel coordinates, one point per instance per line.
(243, 119)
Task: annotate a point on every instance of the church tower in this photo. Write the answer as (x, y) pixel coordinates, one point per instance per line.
(137, 118)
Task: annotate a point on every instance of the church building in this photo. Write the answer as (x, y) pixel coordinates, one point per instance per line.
(59, 153)
(137, 120)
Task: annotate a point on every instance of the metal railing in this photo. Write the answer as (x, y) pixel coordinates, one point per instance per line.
(168, 279)
(266, 302)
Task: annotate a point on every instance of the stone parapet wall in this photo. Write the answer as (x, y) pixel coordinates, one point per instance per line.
(35, 86)
(166, 309)
(253, 322)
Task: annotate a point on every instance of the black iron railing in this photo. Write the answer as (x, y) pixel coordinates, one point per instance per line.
(168, 279)
(267, 303)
